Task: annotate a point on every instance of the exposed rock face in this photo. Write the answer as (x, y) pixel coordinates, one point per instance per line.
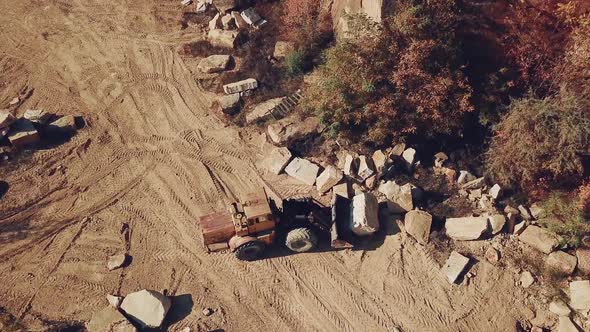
(580, 295)
(214, 63)
(109, 319)
(223, 38)
(147, 307)
(328, 179)
(303, 170)
(364, 214)
(229, 104)
(466, 228)
(282, 49)
(497, 222)
(277, 160)
(454, 266)
(37, 116)
(400, 198)
(417, 223)
(561, 262)
(540, 239)
(262, 109)
(23, 133)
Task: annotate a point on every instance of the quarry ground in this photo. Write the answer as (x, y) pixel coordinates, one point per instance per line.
(154, 157)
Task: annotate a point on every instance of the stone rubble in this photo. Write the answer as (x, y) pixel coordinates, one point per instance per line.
(400, 198)
(409, 156)
(497, 222)
(229, 104)
(37, 116)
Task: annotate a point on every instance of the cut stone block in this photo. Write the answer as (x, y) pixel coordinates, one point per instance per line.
(540, 239)
(23, 133)
(454, 266)
(240, 86)
(64, 125)
(303, 170)
(466, 228)
(37, 116)
(262, 109)
(580, 295)
(342, 189)
(328, 179)
(277, 160)
(417, 223)
(366, 168)
(214, 63)
(364, 214)
(497, 222)
(229, 104)
(223, 38)
(561, 262)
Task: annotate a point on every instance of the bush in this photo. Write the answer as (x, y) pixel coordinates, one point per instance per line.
(404, 77)
(295, 63)
(565, 218)
(305, 24)
(541, 141)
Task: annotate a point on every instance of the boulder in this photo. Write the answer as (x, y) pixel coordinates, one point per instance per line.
(277, 160)
(559, 308)
(464, 177)
(583, 255)
(526, 279)
(380, 161)
(303, 170)
(364, 214)
(282, 49)
(115, 301)
(524, 212)
(350, 165)
(214, 63)
(251, 17)
(565, 324)
(440, 159)
(229, 104)
(454, 266)
(284, 130)
(147, 307)
(400, 198)
(580, 295)
(228, 22)
(366, 168)
(417, 223)
(64, 125)
(109, 319)
(225, 5)
(342, 189)
(328, 179)
(474, 184)
(561, 262)
(409, 156)
(497, 222)
(116, 261)
(223, 38)
(215, 22)
(238, 20)
(6, 119)
(466, 228)
(398, 150)
(262, 109)
(240, 86)
(37, 116)
(492, 255)
(495, 191)
(23, 133)
(540, 239)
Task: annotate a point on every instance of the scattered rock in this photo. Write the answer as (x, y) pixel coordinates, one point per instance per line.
(364, 214)
(559, 308)
(350, 165)
(454, 266)
(409, 156)
(583, 255)
(328, 179)
(492, 255)
(147, 307)
(526, 279)
(262, 109)
(115, 301)
(116, 261)
(227, 21)
(464, 177)
(207, 312)
(303, 170)
(400, 198)
(214, 63)
(566, 325)
(277, 160)
(64, 125)
(580, 295)
(342, 189)
(540, 239)
(223, 38)
(366, 168)
(524, 213)
(440, 159)
(474, 184)
(37, 116)
(240, 86)
(23, 133)
(380, 161)
(466, 228)
(229, 104)
(6, 118)
(109, 319)
(495, 191)
(417, 223)
(561, 262)
(282, 49)
(497, 222)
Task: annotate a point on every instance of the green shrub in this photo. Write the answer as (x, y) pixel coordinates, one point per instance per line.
(541, 141)
(566, 218)
(295, 63)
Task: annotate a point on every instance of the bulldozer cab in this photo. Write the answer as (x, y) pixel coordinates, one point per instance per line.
(252, 216)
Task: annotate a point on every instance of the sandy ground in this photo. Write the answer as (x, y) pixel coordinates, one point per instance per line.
(153, 156)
